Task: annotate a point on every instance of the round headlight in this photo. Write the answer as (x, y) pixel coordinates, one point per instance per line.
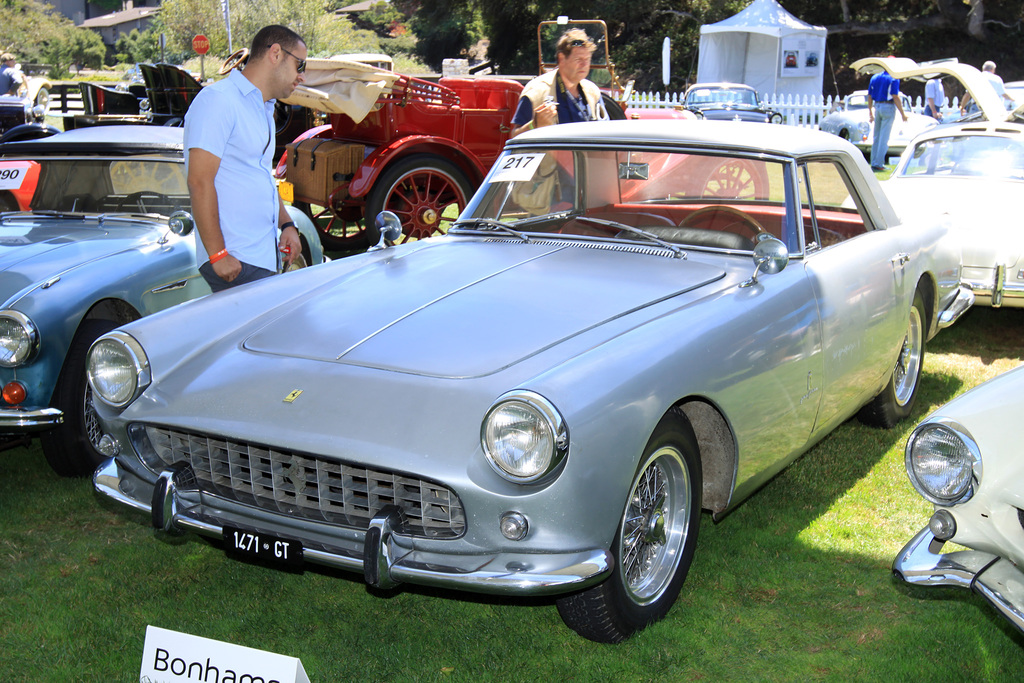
(943, 460)
(19, 339)
(118, 369)
(524, 437)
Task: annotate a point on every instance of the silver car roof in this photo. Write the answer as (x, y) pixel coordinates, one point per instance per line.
(745, 137)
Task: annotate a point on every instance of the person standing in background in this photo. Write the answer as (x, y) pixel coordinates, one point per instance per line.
(11, 77)
(883, 103)
(564, 94)
(934, 98)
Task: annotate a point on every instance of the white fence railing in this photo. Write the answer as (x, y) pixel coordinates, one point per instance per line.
(806, 111)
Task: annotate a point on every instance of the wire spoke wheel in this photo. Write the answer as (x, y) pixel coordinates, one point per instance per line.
(655, 526)
(908, 365)
(654, 543)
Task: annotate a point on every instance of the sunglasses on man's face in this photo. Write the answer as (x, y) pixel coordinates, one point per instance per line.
(301, 66)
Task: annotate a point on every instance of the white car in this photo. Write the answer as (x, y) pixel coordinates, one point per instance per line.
(973, 171)
(966, 460)
(851, 123)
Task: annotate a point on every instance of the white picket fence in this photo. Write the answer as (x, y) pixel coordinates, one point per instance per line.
(797, 110)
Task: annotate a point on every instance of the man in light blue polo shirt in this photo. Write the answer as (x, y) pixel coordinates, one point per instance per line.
(883, 101)
(229, 146)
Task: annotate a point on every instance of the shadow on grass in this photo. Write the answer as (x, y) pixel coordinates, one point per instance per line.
(794, 584)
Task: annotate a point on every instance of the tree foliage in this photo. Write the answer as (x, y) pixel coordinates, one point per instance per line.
(35, 32)
(972, 30)
(138, 46)
(324, 33)
(445, 29)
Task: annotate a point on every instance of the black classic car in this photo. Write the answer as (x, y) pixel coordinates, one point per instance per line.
(728, 102)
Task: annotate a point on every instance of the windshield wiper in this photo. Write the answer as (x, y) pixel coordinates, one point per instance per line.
(633, 231)
(489, 224)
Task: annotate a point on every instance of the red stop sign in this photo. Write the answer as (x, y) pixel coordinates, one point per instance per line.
(201, 44)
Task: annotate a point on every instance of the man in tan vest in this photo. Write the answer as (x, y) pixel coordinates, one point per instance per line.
(563, 95)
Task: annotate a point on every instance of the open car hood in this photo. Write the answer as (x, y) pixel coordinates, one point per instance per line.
(976, 84)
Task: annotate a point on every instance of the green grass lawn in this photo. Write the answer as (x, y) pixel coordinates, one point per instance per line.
(794, 585)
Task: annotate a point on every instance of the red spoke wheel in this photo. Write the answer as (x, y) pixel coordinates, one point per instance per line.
(338, 226)
(426, 192)
(736, 179)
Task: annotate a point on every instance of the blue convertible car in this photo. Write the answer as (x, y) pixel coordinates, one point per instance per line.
(629, 323)
(94, 249)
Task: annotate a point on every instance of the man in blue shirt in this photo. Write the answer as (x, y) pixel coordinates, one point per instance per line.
(229, 145)
(883, 101)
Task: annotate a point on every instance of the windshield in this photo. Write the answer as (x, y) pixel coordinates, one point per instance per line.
(694, 199)
(90, 184)
(968, 155)
(734, 96)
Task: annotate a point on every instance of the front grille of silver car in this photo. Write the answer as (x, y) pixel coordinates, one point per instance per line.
(308, 486)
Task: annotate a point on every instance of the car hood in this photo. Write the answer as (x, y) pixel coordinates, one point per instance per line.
(33, 250)
(471, 309)
(969, 77)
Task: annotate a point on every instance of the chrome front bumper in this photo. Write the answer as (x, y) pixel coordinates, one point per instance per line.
(13, 420)
(382, 556)
(961, 303)
(997, 291)
(996, 579)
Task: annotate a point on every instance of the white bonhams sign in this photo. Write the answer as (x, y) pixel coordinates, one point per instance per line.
(172, 657)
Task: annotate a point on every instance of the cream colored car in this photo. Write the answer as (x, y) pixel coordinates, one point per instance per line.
(964, 458)
(973, 171)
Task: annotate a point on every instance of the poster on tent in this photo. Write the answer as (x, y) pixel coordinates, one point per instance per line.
(801, 55)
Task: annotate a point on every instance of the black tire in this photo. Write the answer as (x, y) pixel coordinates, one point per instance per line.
(418, 189)
(71, 448)
(654, 544)
(614, 109)
(896, 400)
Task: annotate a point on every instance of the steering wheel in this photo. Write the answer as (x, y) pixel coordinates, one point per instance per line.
(236, 59)
(707, 215)
(138, 197)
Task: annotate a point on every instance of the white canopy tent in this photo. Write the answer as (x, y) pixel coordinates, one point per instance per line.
(765, 47)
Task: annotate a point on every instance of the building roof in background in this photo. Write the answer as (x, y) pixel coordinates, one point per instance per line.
(124, 17)
(357, 6)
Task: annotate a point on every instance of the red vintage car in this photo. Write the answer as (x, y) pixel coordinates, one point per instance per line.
(419, 150)
(416, 148)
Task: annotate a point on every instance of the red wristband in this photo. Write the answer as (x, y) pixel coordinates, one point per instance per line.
(218, 256)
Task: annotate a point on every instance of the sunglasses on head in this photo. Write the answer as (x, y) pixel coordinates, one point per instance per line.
(301, 66)
(578, 43)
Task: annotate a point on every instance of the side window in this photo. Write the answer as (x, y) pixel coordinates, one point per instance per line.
(829, 212)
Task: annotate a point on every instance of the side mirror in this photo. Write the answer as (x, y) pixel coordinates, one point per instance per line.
(181, 223)
(386, 228)
(770, 256)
